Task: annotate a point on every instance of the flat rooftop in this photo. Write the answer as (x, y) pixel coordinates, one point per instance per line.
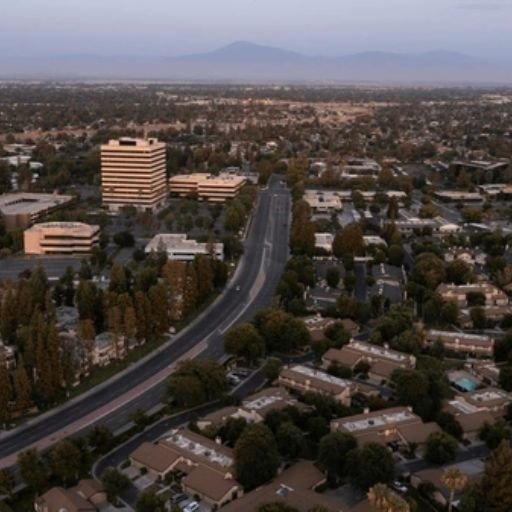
(321, 376)
(378, 351)
(377, 420)
(25, 203)
(195, 447)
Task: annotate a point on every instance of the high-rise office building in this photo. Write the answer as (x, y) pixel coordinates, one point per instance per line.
(133, 173)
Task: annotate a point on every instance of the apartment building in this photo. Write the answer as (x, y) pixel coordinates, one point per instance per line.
(491, 399)
(22, 209)
(477, 344)
(294, 488)
(458, 293)
(207, 187)
(383, 361)
(304, 378)
(453, 196)
(133, 173)
(179, 247)
(396, 426)
(208, 465)
(61, 238)
(253, 409)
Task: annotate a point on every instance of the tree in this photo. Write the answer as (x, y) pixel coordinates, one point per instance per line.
(290, 440)
(333, 276)
(149, 501)
(32, 470)
(333, 450)
(114, 482)
(65, 461)
(458, 272)
(6, 392)
(454, 480)
(384, 499)
(505, 378)
(494, 434)
(348, 241)
(7, 481)
(478, 317)
(101, 438)
(370, 465)
(195, 382)
(124, 239)
(244, 340)
(256, 456)
(429, 270)
(495, 483)
(23, 388)
(276, 507)
(441, 448)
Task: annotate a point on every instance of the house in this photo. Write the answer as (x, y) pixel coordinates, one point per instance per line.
(304, 378)
(477, 344)
(394, 427)
(294, 487)
(208, 465)
(383, 361)
(87, 496)
(493, 314)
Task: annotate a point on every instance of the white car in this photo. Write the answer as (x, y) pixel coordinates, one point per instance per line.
(193, 506)
(399, 486)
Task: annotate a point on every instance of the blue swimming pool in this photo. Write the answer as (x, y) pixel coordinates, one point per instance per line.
(466, 384)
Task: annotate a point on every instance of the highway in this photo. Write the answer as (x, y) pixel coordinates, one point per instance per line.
(142, 384)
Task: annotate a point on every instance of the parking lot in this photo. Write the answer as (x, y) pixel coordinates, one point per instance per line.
(54, 266)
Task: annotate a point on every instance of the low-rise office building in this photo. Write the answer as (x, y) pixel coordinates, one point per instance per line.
(22, 209)
(204, 186)
(304, 378)
(61, 238)
(323, 201)
(179, 247)
(478, 344)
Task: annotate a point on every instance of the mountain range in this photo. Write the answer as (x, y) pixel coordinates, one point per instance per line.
(248, 62)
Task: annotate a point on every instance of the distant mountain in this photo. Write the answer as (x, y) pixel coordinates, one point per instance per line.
(248, 62)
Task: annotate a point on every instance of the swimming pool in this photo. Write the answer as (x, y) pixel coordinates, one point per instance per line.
(466, 384)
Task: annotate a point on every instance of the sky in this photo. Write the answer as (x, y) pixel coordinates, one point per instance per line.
(482, 28)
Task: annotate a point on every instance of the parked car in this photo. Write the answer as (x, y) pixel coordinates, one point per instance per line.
(178, 498)
(399, 486)
(191, 507)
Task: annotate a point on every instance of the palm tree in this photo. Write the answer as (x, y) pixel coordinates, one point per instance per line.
(384, 499)
(453, 480)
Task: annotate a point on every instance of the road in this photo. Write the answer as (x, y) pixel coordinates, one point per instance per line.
(142, 384)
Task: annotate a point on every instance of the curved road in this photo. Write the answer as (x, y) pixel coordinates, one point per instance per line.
(141, 385)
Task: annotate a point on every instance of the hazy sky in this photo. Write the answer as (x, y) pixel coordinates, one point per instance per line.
(332, 27)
